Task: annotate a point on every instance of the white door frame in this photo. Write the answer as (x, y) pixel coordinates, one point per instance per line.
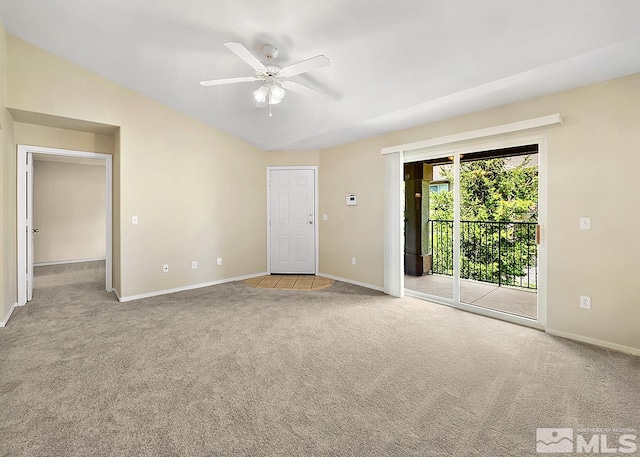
(395, 157)
(455, 145)
(24, 263)
(456, 153)
(315, 212)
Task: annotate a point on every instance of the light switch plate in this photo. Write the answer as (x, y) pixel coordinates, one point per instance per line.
(134, 220)
(585, 223)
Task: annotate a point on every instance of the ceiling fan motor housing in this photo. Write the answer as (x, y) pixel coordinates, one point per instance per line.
(273, 72)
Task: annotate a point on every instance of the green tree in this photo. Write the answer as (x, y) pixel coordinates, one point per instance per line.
(491, 190)
(496, 195)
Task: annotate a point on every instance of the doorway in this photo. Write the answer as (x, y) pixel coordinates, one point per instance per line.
(26, 227)
(394, 158)
(292, 230)
(451, 291)
(487, 256)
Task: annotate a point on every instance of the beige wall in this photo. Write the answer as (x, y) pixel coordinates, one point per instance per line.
(175, 173)
(297, 158)
(8, 282)
(69, 211)
(352, 231)
(52, 137)
(5, 305)
(601, 132)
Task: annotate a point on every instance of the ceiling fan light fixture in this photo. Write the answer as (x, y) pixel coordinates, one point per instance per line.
(261, 94)
(273, 100)
(277, 92)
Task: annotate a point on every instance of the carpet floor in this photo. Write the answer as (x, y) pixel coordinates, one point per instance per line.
(233, 370)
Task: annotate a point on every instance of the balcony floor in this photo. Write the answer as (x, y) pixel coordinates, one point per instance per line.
(513, 300)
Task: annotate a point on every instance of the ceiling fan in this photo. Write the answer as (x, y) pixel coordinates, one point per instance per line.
(274, 78)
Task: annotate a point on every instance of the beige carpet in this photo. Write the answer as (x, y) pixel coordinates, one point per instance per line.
(232, 370)
(46, 276)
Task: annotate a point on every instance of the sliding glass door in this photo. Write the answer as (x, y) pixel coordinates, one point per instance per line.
(471, 225)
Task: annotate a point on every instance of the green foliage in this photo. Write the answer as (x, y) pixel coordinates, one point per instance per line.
(441, 205)
(498, 209)
(491, 190)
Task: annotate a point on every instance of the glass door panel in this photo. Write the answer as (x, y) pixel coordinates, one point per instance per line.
(498, 219)
(428, 227)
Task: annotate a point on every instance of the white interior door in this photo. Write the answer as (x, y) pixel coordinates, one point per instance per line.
(292, 221)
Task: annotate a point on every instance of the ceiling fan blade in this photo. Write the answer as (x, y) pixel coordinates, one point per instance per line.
(217, 82)
(300, 88)
(306, 65)
(245, 55)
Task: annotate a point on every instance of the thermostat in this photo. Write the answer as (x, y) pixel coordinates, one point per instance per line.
(352, 200)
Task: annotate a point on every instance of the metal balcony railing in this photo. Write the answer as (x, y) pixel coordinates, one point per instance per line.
(503, 253)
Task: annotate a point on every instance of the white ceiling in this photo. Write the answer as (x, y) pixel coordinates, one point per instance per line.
(394, 64)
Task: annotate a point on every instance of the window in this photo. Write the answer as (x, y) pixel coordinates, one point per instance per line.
(436, 188)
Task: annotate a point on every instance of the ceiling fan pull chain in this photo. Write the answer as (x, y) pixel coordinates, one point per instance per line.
(270, 113)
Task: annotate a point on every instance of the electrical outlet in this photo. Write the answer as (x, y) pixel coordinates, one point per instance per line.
(219, 261)
(194, 264)
(165, 268)
(353, 260)
(585, 302)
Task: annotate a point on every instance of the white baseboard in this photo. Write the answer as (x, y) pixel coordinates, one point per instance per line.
(351, 281)
(63, 262)
(6, 319)
(594, 341)
(181, 289)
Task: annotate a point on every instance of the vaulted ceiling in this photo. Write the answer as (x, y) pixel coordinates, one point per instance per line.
(394, 64)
